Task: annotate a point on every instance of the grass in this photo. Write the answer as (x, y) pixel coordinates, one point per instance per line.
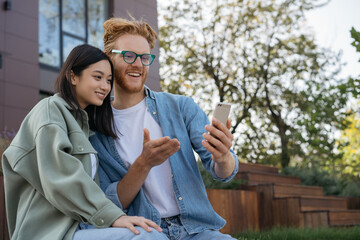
(351, 233)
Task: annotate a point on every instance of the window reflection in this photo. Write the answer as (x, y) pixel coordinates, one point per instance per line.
(69, 44)
(74, 17)
(96, 17)
(49, 32)
(76, 27)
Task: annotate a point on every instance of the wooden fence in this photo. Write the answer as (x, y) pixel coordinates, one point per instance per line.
(238, 207)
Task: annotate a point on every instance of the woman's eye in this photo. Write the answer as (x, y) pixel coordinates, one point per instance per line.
(98, 77)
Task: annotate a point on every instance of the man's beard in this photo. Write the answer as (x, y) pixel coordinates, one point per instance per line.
(121, 82)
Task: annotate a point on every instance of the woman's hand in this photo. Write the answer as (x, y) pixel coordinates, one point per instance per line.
(131, 221)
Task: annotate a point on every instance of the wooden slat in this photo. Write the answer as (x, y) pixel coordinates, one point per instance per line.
(316, 219)
(291, 190)
(286, 212)
(322, 203)
(258, 178)
(353, 203)
(238, 207)
(259, 168)
(344, 218)
(265, 205)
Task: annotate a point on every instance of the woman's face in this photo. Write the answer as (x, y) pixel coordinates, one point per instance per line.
(93, 84)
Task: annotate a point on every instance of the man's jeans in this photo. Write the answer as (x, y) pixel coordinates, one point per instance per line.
(174, 230)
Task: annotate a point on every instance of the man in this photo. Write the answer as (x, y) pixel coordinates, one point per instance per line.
(151, 170)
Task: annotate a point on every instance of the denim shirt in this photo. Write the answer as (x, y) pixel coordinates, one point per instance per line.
(179, 117)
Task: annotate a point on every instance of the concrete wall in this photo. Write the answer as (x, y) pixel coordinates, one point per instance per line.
(19, 74)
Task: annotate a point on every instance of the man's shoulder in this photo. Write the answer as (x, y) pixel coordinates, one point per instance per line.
(170, 96)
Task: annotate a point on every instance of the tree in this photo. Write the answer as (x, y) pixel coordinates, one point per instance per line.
(350, 148)
(349, 143)
(256, 54)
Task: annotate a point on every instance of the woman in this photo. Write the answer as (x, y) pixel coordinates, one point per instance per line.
(49, 169)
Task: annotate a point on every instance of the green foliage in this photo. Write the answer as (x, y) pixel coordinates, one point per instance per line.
(287, 99)
(352, 233)
(211, 183)
(331, 185)
(348, 164)
(356, 36)
(349, 145)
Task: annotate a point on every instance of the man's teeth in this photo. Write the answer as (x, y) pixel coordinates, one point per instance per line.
(134, 74)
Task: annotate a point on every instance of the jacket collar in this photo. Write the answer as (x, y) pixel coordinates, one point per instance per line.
(57, 98)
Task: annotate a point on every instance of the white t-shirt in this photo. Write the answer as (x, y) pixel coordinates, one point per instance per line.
(93, 165)
(158, 187)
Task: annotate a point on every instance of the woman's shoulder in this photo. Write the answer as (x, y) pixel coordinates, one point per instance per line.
(47, 111)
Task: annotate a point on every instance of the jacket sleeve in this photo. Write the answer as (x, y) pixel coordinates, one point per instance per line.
(64, 181)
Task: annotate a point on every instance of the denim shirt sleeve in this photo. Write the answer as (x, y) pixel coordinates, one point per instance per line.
(195, 120)
(212, 165)
(109, 188)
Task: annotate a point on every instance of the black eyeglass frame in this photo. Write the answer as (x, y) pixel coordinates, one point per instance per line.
(123, 52)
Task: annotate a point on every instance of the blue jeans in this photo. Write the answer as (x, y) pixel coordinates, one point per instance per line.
(89, 232)
(174, 230)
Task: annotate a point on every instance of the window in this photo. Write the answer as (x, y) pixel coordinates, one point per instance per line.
(64, 24)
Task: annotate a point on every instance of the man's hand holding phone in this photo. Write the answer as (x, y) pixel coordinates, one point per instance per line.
(218, 140)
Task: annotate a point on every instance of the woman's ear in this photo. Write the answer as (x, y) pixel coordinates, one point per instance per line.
(74, 78)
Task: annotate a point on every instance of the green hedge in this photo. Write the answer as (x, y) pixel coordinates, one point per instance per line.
(332, 185)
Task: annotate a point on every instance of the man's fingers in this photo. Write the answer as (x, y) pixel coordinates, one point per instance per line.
(228, 124)
(159, 142)
(221, 127)
(217, 134)
(169, 148)
(146, 135)
(216, 144)
(164, 142)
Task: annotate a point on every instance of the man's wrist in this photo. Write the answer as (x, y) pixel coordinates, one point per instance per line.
(142, 164)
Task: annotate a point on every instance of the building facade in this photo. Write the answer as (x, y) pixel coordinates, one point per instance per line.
(37, 35)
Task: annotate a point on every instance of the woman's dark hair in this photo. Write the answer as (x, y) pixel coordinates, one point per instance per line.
(101, 118)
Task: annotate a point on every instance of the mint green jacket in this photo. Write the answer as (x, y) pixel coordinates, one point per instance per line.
(47, 176)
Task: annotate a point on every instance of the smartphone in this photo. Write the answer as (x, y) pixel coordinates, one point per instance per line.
(222, 111)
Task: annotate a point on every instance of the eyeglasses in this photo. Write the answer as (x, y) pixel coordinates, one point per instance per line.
(130, 57)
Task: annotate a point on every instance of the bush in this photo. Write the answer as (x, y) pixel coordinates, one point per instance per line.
(331, 185)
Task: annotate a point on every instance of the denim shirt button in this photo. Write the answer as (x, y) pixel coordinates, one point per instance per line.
(154, 113)
(180, 198)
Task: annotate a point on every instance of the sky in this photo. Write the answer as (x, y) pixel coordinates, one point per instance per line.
(331, 26)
